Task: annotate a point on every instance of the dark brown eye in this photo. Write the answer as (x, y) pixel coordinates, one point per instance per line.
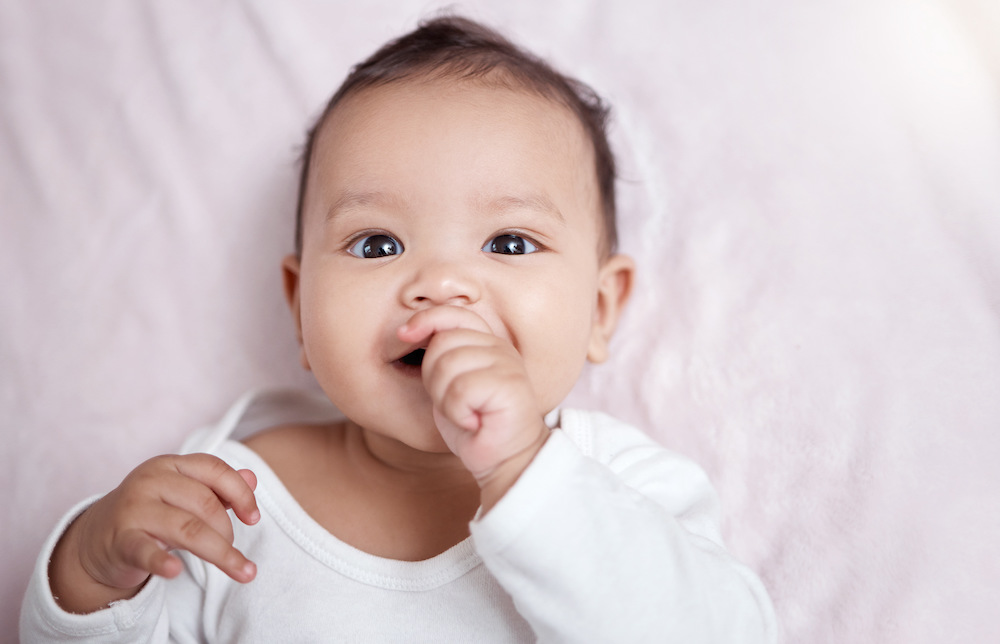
(510, 245)
(375, 246)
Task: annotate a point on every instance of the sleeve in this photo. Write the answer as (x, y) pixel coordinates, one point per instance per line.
(143, 618)
(621, 551)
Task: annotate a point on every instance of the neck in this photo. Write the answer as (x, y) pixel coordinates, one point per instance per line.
(390, 460)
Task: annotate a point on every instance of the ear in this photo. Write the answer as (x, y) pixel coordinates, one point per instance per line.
(614, 286)
(290, 271)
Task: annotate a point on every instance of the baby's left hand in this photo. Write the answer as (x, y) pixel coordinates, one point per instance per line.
(484, 403)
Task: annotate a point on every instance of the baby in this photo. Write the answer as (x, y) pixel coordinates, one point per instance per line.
(455, 268)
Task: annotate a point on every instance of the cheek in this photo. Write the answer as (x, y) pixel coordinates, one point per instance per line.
(332, 323)
(555, 343)
(317, 334)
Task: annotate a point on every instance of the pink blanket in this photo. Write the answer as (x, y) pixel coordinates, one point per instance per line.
(811, 190)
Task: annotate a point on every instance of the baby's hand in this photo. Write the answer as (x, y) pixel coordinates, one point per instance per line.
(168, 502)
(484, 404)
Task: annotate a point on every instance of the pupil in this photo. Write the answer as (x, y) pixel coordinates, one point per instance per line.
(379, 246)
(509, 245)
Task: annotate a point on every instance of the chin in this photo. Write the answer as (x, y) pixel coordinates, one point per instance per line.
(426, 440)
(420, 434)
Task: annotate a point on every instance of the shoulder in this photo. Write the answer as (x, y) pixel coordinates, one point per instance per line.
(672, 479)
(258, 410)
(284, 438)
(608, 439)
(290, 449)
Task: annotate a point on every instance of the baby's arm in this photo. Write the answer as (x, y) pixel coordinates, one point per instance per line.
(168, 502)
(621, 548)
(619, 545)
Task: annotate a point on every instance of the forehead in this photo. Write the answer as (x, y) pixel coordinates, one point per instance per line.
(485, 140)
(507, 98)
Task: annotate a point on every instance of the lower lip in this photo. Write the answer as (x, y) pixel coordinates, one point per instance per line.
(411, 370)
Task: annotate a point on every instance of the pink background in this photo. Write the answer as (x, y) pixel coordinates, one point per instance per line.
(811, 190)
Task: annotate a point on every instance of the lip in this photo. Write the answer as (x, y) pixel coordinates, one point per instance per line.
(410, 361)
(414, 358)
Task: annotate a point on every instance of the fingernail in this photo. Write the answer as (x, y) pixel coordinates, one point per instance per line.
(254, 516)
(249, 569)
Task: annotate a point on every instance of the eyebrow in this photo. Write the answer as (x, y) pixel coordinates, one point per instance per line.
(353, 200)
(537, 202)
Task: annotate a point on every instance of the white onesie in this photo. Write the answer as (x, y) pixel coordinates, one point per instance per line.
(606, 537)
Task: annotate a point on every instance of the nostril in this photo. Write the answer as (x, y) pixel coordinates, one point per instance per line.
(441, 284)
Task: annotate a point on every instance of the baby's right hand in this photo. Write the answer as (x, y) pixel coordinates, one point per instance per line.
(168, 502)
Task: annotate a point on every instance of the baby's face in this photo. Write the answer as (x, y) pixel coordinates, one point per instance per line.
(441, 193)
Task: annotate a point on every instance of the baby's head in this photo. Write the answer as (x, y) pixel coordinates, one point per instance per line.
(459, 50)
(452, 169)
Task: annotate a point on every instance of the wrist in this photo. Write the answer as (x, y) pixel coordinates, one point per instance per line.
(495, 484)
(72, 587)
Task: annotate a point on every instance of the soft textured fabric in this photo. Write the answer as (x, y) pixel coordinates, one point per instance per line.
(606, 537)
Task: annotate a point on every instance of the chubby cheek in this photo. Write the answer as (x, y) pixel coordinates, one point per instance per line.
(316, 341)
(330, 332)
(555, 346)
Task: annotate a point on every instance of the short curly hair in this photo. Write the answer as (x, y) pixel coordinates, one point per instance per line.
(456, 47)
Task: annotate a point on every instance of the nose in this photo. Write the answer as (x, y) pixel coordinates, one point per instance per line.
(441, 282)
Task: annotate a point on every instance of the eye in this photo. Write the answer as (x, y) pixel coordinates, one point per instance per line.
(509, 244)
(375, 246)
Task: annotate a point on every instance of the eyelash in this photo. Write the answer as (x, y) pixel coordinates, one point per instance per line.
(528, 239)
(365, 235)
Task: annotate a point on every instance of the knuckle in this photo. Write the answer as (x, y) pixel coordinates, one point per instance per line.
(212, 465)
(156, 465)
(222, 528)
(233, 558)
(155, 462)
(217, 466)
(228, 533)
(208, 503)
(457, 392)
(191, 529)
(220, 471)
(448, 360)
(148, 474)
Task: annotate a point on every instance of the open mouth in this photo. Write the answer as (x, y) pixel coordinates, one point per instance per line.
(414, 358)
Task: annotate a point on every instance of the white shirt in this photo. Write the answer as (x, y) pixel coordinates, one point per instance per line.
(605, 537)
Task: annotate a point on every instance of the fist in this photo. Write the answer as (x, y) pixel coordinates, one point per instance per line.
(484, 404)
